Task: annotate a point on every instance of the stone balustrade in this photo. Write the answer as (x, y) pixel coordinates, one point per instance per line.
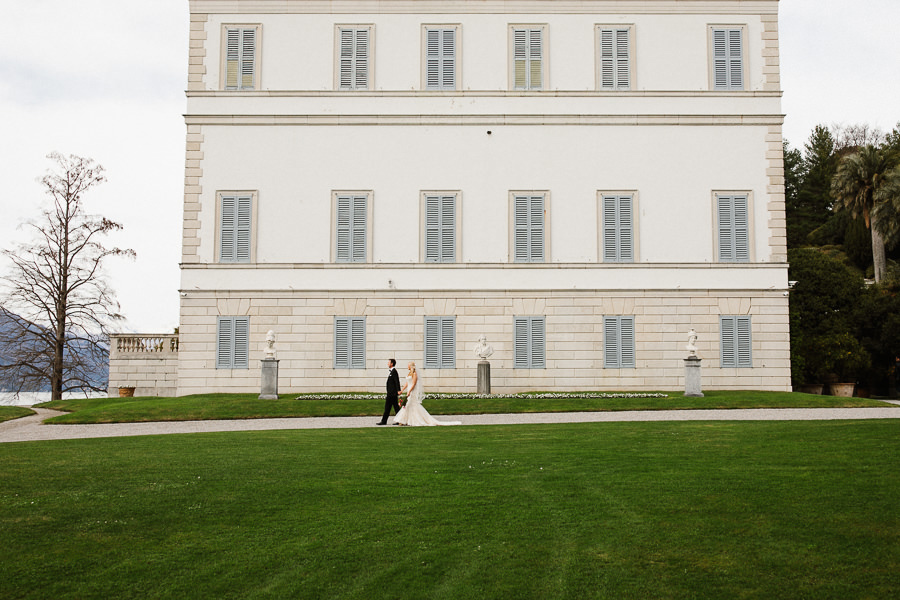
(143, 343)
(146, 362)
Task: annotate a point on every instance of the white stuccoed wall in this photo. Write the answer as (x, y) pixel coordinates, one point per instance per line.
(669, 140)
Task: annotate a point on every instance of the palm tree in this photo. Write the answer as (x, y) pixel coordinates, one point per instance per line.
(887, 208)
(855, 185)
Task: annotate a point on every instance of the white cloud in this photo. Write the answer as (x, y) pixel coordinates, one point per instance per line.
(839, 64)
(103, 79)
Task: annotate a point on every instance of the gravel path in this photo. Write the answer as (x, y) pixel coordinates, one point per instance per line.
(31, 428)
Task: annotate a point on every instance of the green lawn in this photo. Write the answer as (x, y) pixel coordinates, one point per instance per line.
(726, 510)
(248, 406)
(8, 413)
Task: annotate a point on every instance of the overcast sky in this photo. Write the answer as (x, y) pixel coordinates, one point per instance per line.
(105, 79)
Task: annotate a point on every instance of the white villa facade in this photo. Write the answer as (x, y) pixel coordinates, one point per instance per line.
(581, 181)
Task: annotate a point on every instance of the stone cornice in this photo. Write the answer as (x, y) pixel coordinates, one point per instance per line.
(501, 266)
(485, 6)
(478, 94)
(498, 119)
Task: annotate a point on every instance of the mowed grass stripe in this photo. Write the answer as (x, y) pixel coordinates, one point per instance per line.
(249, 406)
(612, 510)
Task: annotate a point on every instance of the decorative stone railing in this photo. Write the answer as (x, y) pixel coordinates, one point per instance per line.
(143, 364)
(143, 344)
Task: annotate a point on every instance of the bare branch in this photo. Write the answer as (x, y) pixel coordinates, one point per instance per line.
(56, 308)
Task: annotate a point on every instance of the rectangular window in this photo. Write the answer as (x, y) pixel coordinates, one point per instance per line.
(440, 58)
(528, 225)
(353, 61)
(734, 228)
(728, 58)
(618, 342)
(349, 342)
(240, 58)
(235, 228)
(352, 212)
(615, 58)
(440, 228)
(440, 342)
(618, 228)
(530, 342)
(736, 342)
(233, 343)
(528, 58)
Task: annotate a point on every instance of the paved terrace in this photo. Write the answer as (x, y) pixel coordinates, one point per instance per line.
(32, 428)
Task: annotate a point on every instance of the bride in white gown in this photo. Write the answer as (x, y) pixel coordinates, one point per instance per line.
(413, 413)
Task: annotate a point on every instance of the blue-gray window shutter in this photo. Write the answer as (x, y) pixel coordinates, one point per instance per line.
(521, 346)
(233, 343)
(432, 342)
(610, 343)
(528, 229)
(440, 59)
(352, 212)
(240, 59)
(530, 342)
(227, 229)
(440, 342)
(736, 342)
(538, 343)
(744, 342)
(440, 228)
(341, 343)
(728, 60)
(349, 342)
(626, 342)
(528, 59)
(615, 59)
(358, 343)
(224, 343)
(244, 216)
(241, 342)
(618, 343)
(618, 229)
(235, 228)
(354, 59)
(734, 228)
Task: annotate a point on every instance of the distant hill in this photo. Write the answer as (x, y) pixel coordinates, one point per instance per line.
(97, 371)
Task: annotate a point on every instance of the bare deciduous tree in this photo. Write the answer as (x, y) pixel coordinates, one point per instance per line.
(56, 303)
(848, 138)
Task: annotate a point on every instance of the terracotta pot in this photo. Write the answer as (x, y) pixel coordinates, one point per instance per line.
(126, 392)
(844, 390)
(812, 388)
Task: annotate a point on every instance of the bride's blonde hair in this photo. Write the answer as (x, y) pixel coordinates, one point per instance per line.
(412, 367)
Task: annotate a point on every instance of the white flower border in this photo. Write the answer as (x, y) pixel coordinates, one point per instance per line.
(523, 396)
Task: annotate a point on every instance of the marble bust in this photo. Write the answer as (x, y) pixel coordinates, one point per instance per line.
(270, 344)
(692, 343)
(482, 350)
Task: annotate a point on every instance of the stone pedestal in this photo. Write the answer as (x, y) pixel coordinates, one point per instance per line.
(484, 377)
(692, 385)
(269, 379)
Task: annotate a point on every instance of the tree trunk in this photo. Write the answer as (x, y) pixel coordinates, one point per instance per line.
(59, 348)
(878, 252)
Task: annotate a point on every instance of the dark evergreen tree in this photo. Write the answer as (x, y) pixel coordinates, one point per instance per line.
(793, 178)
(814, 202)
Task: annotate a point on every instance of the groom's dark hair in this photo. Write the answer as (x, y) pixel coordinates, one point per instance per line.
(393, 362)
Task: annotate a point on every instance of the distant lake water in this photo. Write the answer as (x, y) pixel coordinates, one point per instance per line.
(31, 398)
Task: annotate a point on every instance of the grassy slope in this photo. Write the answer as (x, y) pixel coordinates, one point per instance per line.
(8, 413)
(619, 510)
(240, 406)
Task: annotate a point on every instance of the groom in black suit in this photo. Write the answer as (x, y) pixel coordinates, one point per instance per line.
(393, 390)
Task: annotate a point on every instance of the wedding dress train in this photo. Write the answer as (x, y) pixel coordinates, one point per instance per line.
(413, 413)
